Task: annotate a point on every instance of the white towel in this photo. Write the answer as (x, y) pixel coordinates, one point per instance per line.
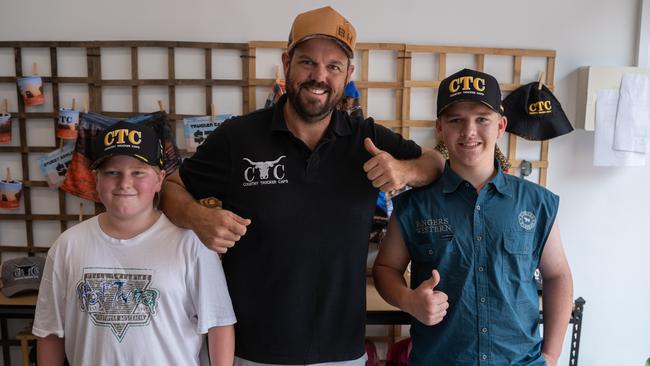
(604, 154)
(633, 114)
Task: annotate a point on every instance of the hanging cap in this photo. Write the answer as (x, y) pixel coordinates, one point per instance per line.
(469, 85)
(323, 23)
(535, 114)
(127, 138)
(21, 275)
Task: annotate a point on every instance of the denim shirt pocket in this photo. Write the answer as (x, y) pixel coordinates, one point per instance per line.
(518, 261)
(436, 252)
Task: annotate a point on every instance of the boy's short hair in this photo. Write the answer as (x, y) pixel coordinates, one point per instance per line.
(132, 139)
(469, 85)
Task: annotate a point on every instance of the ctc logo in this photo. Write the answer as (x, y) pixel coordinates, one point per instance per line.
(467, 83)
(541, 107)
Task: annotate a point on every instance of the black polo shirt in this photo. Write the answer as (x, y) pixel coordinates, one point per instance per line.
(297, 278)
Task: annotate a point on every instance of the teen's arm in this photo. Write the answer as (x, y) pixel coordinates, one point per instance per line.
(218, 229)
(221, 344)
(557, 295)
(425, 303)
(388, 173)
(50, 351)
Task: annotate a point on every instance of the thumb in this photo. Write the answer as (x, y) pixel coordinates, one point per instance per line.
(241, 220)
(435, 279)
(370, 147)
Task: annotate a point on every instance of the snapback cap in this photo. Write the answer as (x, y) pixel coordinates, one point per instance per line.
(535, 114)
(126, 138)
(323, 23)
(469, 85)
(20, 275)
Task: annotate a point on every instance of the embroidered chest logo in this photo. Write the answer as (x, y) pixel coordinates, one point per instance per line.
(527, 220)
(439, 225)
(117, 300)
(264, 172)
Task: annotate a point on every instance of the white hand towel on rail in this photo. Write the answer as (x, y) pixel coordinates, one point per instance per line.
(633, 114)
(604, 154)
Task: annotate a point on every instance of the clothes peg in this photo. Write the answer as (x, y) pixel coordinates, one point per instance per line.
(5, 106)
(85, 105)
(34, 68)
(81, 211)
(8, 176)
(74, 103)
(540, 81)
(160, 106)
(277, 72)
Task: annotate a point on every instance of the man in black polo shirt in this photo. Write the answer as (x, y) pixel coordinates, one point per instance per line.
(298, 183)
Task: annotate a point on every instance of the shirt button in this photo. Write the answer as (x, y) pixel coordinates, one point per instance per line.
(430, 252)
(466, 184)
(480, 269)
(478, 238)
(484, 330)
(484, 356)
(482, 300)
(478, 207)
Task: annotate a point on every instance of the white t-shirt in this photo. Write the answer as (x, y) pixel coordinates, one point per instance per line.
(146, 300)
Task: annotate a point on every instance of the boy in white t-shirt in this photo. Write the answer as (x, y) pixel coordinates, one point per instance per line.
(127, 287)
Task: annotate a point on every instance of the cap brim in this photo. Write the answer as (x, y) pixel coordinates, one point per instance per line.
(469, 100)
(101, 160)
(18, 289)
(343, 46)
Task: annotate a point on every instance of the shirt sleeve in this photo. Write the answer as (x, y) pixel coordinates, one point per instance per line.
(205, 174)
(51, 302)
(394, 143)
(209, 290)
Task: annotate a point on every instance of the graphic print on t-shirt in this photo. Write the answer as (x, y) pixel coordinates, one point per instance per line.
(117, 298)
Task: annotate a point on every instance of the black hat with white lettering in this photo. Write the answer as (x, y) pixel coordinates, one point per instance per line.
(20, 275)
(535, 114)
(469, 85)
(127, 138)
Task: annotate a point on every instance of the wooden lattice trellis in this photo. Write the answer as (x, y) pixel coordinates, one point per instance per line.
(402, 85)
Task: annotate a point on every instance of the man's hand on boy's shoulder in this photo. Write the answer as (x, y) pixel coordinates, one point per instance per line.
(219, 229)
(426, 304)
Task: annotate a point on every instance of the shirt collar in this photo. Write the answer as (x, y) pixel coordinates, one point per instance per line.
(451, 181)
(339, 124)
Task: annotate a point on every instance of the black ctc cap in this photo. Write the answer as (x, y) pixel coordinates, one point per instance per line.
(535, 114)
(469, 85)
(127, 138)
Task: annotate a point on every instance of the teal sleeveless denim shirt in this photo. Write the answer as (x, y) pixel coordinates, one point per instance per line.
(486, 247)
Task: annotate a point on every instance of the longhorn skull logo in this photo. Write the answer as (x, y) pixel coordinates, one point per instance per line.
(264, 166)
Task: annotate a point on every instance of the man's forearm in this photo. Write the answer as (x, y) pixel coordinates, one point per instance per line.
(425, 169)
(557, 302)
(179, 205)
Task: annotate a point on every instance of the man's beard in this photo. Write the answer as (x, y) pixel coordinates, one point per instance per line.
(312, 110)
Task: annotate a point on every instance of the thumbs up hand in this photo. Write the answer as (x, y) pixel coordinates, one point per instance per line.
(384, 171)
(426, 304)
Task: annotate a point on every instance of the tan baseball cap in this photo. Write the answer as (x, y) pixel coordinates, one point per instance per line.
(323, 23)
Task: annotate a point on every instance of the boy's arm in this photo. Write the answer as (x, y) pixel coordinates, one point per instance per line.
(557, 295)
(50, 351)
(424, 303)
(221, 343)
(388, 173)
